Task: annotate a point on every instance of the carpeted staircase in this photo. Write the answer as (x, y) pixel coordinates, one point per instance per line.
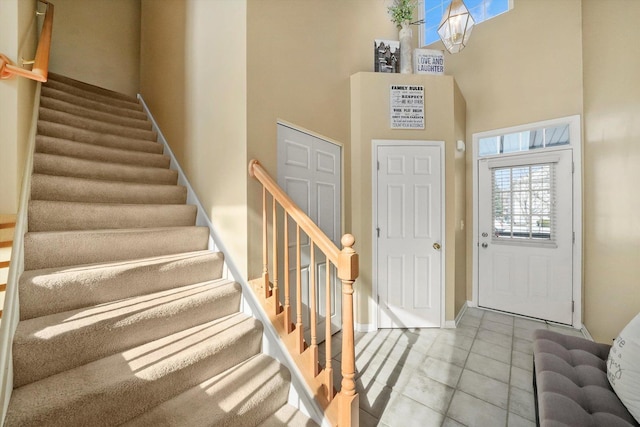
(125, 317)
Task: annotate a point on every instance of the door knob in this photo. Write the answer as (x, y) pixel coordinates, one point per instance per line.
(484, 245)
(436, 246)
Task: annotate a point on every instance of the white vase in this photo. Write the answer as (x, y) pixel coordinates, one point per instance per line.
(405, 36)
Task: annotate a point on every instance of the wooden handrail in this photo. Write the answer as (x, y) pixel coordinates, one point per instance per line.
(40, 69)
(340, 408)
(313, 231)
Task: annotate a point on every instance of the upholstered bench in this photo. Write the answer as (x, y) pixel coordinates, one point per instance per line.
(571, 386)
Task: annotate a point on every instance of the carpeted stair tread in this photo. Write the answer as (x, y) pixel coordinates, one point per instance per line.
(53, 290)
(81, 150)
(88, 94)
(126, 316)
(70, 189)
(288, 416)
(89, 103)
(120, 387)
(93, 125)
(89, 113)
(49, 164)
(62, 131)
(90, 88)
(48, 345)
(47, 215)
(243, 396)
(50, 249)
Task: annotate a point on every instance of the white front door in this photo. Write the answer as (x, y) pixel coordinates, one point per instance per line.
(309, 171)
(525, 210)
(408, 191)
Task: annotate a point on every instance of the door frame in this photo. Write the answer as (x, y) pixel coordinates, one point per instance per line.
(374, 202)
(284, 123)
(575, 145)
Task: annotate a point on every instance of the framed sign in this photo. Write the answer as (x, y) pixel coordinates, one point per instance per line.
(428, 61)
(407, 107)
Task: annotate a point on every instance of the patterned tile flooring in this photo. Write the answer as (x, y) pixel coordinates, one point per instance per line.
(479, 374)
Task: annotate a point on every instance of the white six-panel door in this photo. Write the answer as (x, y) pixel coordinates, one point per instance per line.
(408, 190)
(309, 171)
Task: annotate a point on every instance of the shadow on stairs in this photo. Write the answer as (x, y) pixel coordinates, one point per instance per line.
(125, 316)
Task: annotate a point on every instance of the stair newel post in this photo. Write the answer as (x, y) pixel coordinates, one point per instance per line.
(328, 368)
(287, 296)
(265, 245)
(274, 272)
(312, 309)
(348, 266)
(299, 326)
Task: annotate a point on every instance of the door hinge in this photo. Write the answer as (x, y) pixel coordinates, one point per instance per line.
(573, 306)
(378, 231)
(573, 167)
(574, 237)
(378, 165)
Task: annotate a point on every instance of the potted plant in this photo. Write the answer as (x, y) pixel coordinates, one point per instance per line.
(401, 12)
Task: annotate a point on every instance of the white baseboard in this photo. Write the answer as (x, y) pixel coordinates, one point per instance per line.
(449, 324)
(365, 327)
(300, 394)
(461, 313)
(586, 333)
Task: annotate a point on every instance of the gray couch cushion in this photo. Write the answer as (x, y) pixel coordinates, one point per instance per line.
(572, 385)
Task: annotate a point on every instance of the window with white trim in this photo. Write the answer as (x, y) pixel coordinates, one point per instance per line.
(481, 10)
(534, 139)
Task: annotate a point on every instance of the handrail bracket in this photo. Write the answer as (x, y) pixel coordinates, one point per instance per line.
(40, 69)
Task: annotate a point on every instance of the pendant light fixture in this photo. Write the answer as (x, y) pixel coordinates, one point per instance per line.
(455, 27)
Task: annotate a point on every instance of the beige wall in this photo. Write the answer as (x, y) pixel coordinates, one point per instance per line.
(515, 71)
(18, 32)
(98, 41)
(611, 165)
(193, 77)
(300, 56)
(293, 60)
(370, 120)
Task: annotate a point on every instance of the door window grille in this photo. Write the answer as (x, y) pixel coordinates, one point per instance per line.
(524, 202)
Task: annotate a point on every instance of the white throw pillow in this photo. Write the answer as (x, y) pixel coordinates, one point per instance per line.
(623, 367)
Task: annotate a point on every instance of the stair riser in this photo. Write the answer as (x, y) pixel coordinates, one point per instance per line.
(80, 150)
(129, 323)
(76, 110)
(108, 100)
(66, 216)
(88, 103)
(94, 125)
(123, 386)
(90, 88)
(58, 249)
(45, 292)
(57, 130)
(49, 187)
(66, 166)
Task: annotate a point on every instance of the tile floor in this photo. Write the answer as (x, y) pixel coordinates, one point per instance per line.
(479, 374)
